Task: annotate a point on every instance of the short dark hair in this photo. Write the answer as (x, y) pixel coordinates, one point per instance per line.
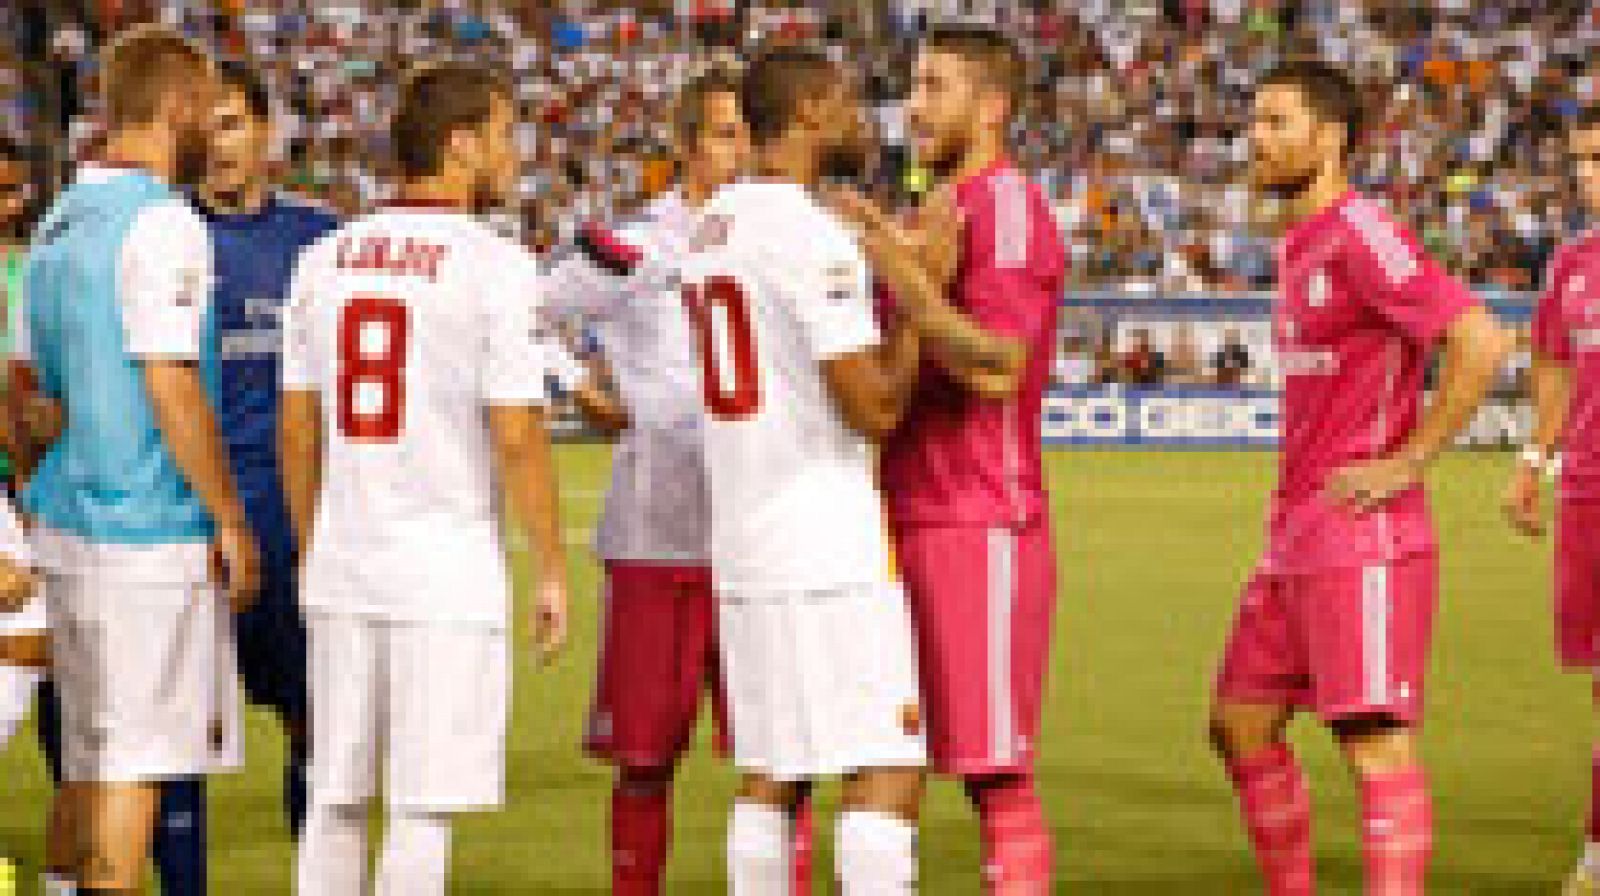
(143, 65)
(12, 152)
(777, 82)
(997, 57)
(247, 81)
(1587, 119)
(689, 114)
(436, 100)
(1330, 94)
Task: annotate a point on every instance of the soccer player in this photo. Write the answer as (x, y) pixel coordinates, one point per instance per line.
(796, 381)
(1565, 378)
(134, 506)
(256, 235)
(658, 653)
(1337, 619)
(963, 473)
(414, 364)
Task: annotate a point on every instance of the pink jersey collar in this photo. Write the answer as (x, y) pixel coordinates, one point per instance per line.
(1318, 219)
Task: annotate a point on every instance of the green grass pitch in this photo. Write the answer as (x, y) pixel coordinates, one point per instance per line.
(1153, 549)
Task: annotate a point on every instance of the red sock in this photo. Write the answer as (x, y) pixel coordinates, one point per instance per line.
(1017, 851)
(1594, 798)
(804, 824)
(1397, 832)
(1277, 815)
(641, 824)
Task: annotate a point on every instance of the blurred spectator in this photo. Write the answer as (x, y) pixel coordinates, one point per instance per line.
(1142, 364)
(1230, 364)
(1183, 363)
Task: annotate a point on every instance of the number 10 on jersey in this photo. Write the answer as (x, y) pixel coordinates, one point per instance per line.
(729, 375)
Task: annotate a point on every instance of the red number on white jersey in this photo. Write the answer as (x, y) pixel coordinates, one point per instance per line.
(720, 315)
(373, 331)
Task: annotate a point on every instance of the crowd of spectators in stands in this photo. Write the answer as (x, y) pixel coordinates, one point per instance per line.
(1134, 121)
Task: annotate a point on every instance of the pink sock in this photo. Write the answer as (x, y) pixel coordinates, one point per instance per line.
(641, 824)
(1017, 850)
(1397, 832)
(804, 824)
(1277, 816)
(1594, 799)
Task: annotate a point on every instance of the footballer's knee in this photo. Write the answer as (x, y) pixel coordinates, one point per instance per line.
(893, 791)
(1376, 744)
(1237, 730)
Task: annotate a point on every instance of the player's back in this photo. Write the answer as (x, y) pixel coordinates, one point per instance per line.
(778, 288)
(398, 321)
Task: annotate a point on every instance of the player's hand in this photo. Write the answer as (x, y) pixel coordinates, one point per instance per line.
(236, 564)
(934, 229)
(1523, 502)
(1366, 486)
(548, 629)
(17, 586)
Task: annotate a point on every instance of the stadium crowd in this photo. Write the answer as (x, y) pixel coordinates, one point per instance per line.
(1134, 121)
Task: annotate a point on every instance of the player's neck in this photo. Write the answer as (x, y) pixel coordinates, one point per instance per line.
(441, 190)
(695, 191)
(248, 199)
(985, 150)
(792, 161)
(1324, 190)
(149, 148)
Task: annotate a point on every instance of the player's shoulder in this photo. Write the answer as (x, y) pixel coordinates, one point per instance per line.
(169, 223)
(1368, 227)
(309, 216)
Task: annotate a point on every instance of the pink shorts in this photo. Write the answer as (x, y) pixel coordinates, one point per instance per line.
(658, 658)
(1342, 642)
(1577, 581)
(982, 601)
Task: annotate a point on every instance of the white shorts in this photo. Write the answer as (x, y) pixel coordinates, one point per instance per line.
(821, 683)
(147, 678)
(423, 704)
(31, 619)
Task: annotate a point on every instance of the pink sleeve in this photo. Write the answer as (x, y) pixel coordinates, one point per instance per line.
(1550, 335)
(1008, 280)
(1397, 280)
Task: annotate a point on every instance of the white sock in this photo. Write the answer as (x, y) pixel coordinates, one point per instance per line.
(759, 846)
(1591, 859)
(333, 851)
(876, 853)
(56, 885)
(17, 684)
(416, 855)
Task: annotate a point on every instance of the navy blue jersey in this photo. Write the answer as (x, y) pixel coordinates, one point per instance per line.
(253, 256)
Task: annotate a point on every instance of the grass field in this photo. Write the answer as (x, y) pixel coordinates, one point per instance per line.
(1153, 548)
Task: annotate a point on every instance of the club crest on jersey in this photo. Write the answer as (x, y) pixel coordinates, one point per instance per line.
(1317, 289)
(841, 280)
(1577, 284)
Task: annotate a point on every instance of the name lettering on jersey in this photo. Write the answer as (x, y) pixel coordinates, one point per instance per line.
(408, 257)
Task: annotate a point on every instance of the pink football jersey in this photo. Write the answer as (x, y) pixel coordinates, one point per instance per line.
(1360, 308)
(960, 458)
(1566, 329)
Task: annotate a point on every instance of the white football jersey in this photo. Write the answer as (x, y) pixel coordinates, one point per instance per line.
(777, 286)
(408, 324)
(656, 507)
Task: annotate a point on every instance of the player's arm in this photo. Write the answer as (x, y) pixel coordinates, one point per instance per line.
(989, 362)
(599, 402)
(872, 387)
(528, 473)
(1421, 303)
(300, 459)
(166, 279)
(1550, 385)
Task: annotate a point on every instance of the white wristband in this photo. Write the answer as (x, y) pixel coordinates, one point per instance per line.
(1535, 458)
